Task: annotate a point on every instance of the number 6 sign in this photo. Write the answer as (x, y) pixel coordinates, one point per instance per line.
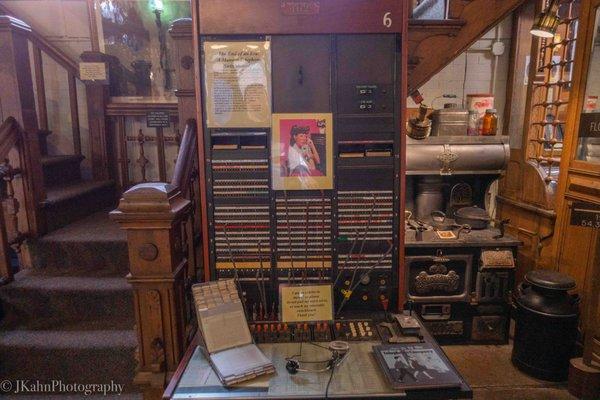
(387, 20)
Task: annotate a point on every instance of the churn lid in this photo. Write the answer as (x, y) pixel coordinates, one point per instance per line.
(552, 280)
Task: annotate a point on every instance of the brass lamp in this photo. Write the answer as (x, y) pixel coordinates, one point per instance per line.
(547, 22)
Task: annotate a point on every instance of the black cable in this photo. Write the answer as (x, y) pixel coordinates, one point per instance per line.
(261, 283)
(318, 345)
(236, 277)
(304, 273)
(368, 271)
(364, 240)
(322, 237)
(296, 355)
(329, 381)
(342, 267)
(289, 231)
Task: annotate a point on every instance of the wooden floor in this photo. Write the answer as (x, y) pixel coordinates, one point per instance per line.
(492, 376)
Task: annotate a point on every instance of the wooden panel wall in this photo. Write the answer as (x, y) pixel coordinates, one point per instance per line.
(525, 198)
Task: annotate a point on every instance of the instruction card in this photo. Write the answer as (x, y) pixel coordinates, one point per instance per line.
(238, 84)
(306, 303)
(93, 71)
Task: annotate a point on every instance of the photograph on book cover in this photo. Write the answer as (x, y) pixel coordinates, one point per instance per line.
(415, 366)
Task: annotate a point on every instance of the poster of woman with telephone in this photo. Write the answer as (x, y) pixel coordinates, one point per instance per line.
(302, 146)
(303, 158)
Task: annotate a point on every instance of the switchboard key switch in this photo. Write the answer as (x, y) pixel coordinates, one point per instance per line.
(408, 324)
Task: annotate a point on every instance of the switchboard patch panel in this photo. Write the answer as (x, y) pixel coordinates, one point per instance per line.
(304, 236)
(347, 234)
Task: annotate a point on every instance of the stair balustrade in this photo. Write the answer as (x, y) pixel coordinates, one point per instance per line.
(162, 221)
(12, 174)
(25, 56)
(42, 49)
(142, 154)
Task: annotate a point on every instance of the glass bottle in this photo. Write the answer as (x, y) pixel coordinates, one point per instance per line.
(473, 121)
(490, 123)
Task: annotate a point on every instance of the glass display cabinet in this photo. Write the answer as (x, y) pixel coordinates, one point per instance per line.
(578, 208)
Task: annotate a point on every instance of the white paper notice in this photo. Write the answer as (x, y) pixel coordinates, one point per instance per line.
(226, 330)
(237, 78)
(92, 71)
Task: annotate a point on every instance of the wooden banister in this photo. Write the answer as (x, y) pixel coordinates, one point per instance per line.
(185, 159)
(153, 215)
(18, 101)
(11, 136)
(74, 108)
(40, 88)
(54, 52)
(96, 97)
(160, 222)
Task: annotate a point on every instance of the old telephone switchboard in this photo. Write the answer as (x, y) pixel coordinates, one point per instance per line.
(346, 235)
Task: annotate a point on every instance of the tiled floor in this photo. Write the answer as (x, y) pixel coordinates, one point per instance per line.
(492, 376)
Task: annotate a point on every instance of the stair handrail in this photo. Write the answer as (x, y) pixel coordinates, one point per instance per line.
(95, 98)
(54, 52)
(184, 166)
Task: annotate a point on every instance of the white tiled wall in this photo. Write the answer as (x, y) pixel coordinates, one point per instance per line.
(477, 64)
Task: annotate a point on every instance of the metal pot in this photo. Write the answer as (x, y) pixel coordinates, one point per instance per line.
(430, 196)
(439, 221)
(474, 216)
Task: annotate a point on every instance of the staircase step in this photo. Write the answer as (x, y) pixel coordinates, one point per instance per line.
(70, 356)
(59, 170)
(38, 302)
(72, 201)
(91, 246)
(71, 191)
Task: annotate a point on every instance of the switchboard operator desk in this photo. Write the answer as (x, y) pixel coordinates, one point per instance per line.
(358, 377)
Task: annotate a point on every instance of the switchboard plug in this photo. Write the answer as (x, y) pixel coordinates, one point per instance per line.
(385, 302)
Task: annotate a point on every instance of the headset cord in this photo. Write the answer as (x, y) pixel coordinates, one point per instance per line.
(329, 381)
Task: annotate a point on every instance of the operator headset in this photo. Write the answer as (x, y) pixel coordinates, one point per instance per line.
(339, 352)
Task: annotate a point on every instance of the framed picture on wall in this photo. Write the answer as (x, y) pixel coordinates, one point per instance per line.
(302, 151)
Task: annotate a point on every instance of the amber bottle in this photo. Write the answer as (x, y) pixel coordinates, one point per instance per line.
(489, 126)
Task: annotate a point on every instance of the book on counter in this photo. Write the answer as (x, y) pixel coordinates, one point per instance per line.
(225, 337)
(415, 366)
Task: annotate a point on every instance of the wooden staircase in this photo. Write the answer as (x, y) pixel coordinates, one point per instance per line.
(433, 44)
(67, 312)
(68, 196)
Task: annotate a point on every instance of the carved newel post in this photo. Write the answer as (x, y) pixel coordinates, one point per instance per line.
(152, 215)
